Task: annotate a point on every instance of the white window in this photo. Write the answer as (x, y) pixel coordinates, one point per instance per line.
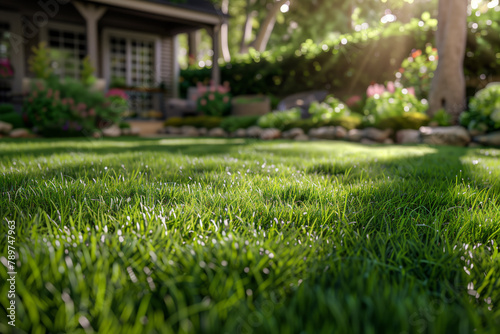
(132, 60)
(68, 48)
(5, 50)
(6, 69)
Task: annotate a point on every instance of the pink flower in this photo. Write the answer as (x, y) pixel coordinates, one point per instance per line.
(221, 89)
(213, 89)
(6, 70)
(375, 89)
(353, 100)
(201, 89)
(211, 97)
(225, 99)
(92, 112)
(81, 106)
(49, 93)
(203, 102)
(411, 91)
(390, 87)
(118, 93)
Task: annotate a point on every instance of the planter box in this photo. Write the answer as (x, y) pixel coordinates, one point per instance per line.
(250, 105)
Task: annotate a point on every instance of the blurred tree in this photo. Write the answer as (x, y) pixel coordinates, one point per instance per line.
(255, 21)
(448, 84)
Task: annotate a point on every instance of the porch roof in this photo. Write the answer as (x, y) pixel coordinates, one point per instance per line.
(196, 5)
(195, 11)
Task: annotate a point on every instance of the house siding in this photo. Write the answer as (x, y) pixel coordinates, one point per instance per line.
(167, 65)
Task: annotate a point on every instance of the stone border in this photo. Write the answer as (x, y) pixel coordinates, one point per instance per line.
(451, 135)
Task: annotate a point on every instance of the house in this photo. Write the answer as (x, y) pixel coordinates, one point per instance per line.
(130, 43)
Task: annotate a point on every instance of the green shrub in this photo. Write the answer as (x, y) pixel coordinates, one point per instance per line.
(348, 122)
(484, 110)
(279, 119)
(68, 108)
(87, 72)
(354, 121)
(329, 109)
(208, 122)
(408, 120)
(233, 123)
(318, 66)
(331, 64)
(214, 100)
(391, 102)
(442, 118)
(40, 60)
(418, 69)
(13, 118)
(124, 125)
(6, 108)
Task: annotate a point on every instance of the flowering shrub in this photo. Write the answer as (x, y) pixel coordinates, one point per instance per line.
(214, 100)
(68, 108)
(331, 108)
(279, 119)
(417, 70)
(484, 110)
(6, 70)
(388, 102)
(118, 100)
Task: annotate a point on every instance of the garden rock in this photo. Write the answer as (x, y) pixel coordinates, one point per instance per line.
(408, 136)
(172, 130)
(490, 139)
(202, 131)
(125, 132)
(302, 137)
(324, 132)
(451, 135)
(269, 134)
(376, 134)
(5, 127)
(354, 135)
(389, 141)
(340, 132)
(135, 131)
(20, 133)
(240, 133)
(217, 132)
(293, 133)
(189, 131)
(112, 131)
(367, 141)
(477, 132)
(254, 131)
(474, 145)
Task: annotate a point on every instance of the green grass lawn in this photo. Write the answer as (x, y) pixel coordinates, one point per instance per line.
(236, 236)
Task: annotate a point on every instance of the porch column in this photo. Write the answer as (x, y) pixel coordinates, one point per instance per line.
(18, 54)
(215, 58)
(194, 38)
(92, 14)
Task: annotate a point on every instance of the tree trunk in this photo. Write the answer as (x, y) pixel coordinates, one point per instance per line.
(247, 28)
(448, 85)
(260, 42)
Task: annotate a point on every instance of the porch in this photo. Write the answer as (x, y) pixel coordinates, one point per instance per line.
(131, 44)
